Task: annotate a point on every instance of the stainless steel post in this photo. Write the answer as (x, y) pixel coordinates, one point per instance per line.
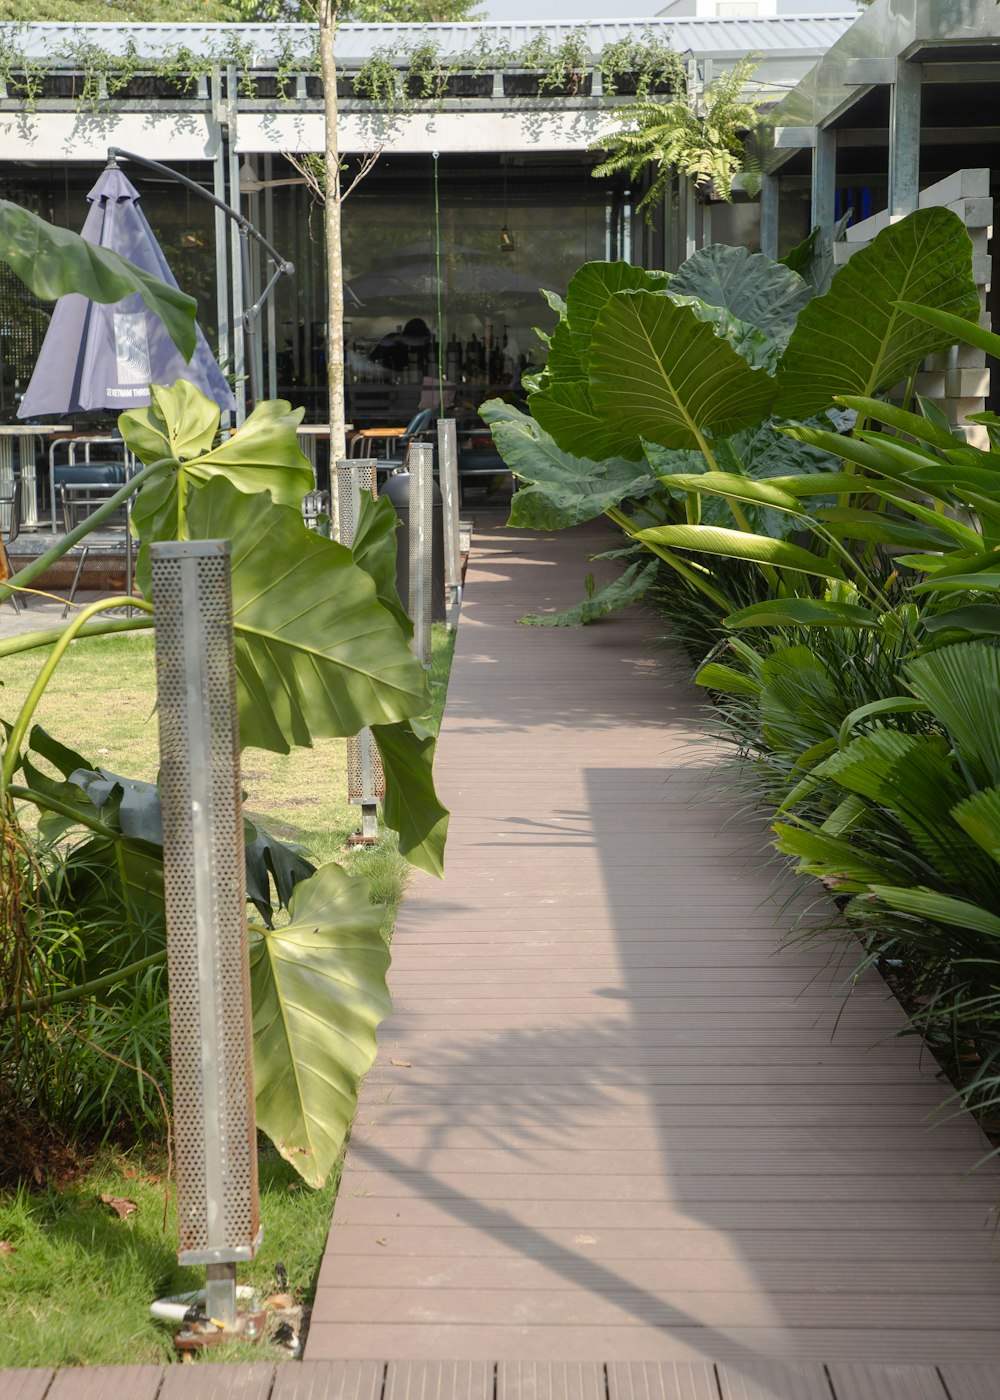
(365, 778)
(421, 464)
(204, 878)
(448, 472)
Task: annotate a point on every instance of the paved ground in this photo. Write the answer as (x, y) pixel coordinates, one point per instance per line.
(609, 1123)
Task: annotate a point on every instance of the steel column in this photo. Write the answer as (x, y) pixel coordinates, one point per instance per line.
(824, 182)
(421, 464)
(770, 211)
(448, 473)
(904, 139)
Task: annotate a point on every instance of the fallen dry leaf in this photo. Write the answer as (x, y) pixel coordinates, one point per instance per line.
(401, 1064)
(6, 1248)
(122, 1208)
(381, 1240)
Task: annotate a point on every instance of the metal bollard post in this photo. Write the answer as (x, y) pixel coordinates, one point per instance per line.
(448, 473)
(421, 464)
(365, 778)
(204, 876)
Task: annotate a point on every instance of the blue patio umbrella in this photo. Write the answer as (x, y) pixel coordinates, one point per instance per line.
(98, 356)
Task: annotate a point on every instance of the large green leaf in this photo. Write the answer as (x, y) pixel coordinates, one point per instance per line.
(731, 485)
(979, 817)
(957, 328)
(758, 349)
(939, 908)
(750, 286)
(411, 805)
(564, 359)
(374, 550)
(263, 455)
(591, 287)
(961, 684)
(566, 411)
(317, 655)
(562, 489)
(319, 993)
(858, 339)
(53, 262)
(620, 593)
(659, 372)
(803, 612)
(981, 619)
(736, 544)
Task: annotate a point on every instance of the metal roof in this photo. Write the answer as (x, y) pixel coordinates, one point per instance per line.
(771, 37)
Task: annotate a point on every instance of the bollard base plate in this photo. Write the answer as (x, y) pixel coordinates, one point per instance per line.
(202, 1333)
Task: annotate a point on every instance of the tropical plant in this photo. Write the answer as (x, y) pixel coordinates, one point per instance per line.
(322, 649)
(659, 405)
(701, 137)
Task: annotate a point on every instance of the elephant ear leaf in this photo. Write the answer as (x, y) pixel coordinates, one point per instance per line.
(374, 550)
(317, 655)
(54, 261)
(857, 339)
(748, 285)
(658, 371)
(592, 286)
(411, 805)
(319, 992)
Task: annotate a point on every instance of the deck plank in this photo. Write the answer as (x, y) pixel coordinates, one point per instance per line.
(25, 1382)
(329, 1380)
(971, 1382)
(668, 1380)
(773, 1380)
(226, 1381)
(853, 1382)
(439, 1380)
(548, 1380)
(106, 1383)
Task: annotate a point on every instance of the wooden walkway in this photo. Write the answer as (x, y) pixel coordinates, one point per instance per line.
(613, 1149)
(609, 1123)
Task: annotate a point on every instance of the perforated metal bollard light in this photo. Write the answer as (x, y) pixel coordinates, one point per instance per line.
(204, 877)
(448, 473)
(365, 778)
(421, 463)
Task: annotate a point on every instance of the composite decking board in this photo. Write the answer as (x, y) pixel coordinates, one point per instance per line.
(107, 1383)
(773, 1380)
(971, 1382)
(229, 1381)
(328, 1380)
(25, 1383)
(548, 1380)
(682, 1380)
(438, 1380)
(600, 973)
(854, 1382)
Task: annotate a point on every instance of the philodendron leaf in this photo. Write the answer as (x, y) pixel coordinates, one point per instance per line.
(53, 262)
(263, 455)
(564, 361)
(562, 490)
(319, 993)
(317, 655)
(267, 860)
(858, 339)
(750, 286)
(591, 287)
(180, 423)
(758, 349)
(658, 372)
(411, 805)
(737, 544)
(620, 593)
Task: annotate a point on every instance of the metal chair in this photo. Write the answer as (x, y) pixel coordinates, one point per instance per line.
(79, 500)
(394, 440)
(10, 505)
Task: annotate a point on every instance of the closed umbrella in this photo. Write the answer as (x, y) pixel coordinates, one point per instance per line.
(97, 356)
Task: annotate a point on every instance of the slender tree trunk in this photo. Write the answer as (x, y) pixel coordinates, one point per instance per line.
(334, 255)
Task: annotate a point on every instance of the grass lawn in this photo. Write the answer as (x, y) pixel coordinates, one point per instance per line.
(77, 1279)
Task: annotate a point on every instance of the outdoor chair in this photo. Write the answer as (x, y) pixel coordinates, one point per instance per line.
(394, 441)
(78, 500)
(10, 505)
